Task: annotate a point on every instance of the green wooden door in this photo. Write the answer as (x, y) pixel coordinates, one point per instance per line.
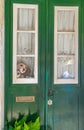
(21, 96)
(59, 103)
(66, 108)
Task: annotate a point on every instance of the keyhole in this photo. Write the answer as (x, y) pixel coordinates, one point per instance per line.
(50, 92)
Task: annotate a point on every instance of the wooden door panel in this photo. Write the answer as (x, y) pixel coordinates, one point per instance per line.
(24, 104)
(13, 90)
(66, 112)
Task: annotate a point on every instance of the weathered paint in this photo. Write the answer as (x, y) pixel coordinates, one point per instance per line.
(67, 109)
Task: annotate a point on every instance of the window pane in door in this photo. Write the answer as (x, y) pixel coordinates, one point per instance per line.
(66, 20)
(66, 68)
(26, 19)
(25, 43)
(25, 67)
(65, 44)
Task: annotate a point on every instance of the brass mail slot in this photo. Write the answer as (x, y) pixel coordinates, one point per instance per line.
(25, 99)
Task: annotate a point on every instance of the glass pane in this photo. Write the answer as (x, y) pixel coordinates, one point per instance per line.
(25, 67)
(65, 68)
(66, 20)
(66, 44)
(26, 19)
(25, 43)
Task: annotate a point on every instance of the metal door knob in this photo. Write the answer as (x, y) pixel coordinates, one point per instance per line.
(51, 92)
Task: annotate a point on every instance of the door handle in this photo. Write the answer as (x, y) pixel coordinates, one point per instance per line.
(50, 95)
(50, 92)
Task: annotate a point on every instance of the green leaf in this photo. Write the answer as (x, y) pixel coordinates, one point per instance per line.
(20, 121)
(10, 127)
(16, 124)
(18, 127)
(32, 117)
(29, 124)
(35, 125)
(26, 127)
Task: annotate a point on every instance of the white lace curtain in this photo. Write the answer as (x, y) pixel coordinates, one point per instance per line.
(66, 20)
(26, 19)
(66, 44)
(26, 37)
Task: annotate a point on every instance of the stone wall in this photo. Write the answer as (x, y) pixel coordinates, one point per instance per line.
(1, 65)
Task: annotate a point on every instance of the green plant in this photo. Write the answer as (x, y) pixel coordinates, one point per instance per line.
(25, 122)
